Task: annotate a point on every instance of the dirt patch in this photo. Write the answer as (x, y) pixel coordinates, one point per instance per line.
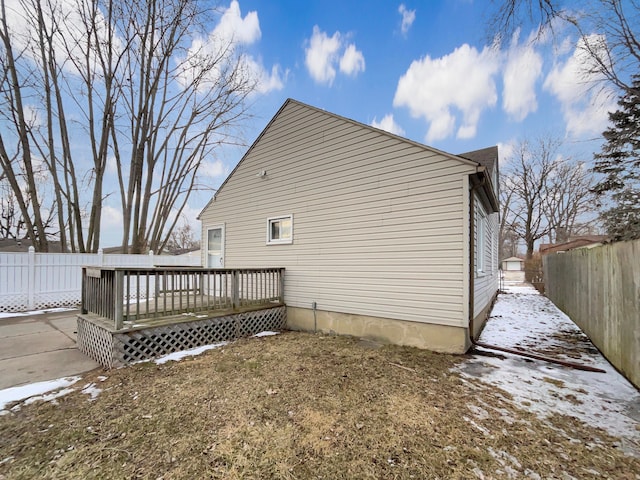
(571, 343)
(300, 406)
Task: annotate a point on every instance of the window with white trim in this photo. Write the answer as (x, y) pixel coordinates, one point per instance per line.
(280, 230)
(481, 226)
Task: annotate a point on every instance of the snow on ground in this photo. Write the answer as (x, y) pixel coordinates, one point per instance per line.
(176, 356)
(36, 391)
(35, 312)
(265, 334)
(525, 320)
(197, 351)
(41, 391)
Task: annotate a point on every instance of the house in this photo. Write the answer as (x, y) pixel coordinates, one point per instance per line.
(23, 245)
(514, 264)
(581, 241)
(381, 237)
(513, 269)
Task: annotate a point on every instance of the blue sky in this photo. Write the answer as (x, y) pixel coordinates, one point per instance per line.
(424, 70)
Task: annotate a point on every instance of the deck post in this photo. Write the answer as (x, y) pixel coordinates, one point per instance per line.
(235, 290)
(118, 299)
(281, 292)
(83, 292)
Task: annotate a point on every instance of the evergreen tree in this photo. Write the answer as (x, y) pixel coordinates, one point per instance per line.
(619, 162)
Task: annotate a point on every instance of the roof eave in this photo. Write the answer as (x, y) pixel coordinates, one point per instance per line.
(486, 192)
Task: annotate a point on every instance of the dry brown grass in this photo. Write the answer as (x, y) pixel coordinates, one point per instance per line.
(298, 406)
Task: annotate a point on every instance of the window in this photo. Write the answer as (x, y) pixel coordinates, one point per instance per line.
(481, 220)
(280, 230)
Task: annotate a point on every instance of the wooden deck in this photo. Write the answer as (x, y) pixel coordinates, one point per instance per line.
(170, 319)
(137, 314)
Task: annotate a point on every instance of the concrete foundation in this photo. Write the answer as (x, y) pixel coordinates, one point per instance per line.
(481, 319)
(438, 338)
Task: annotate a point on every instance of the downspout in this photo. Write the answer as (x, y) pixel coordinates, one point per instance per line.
(475, 343)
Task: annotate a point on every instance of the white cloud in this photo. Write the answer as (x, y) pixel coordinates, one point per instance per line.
(352, 61)
(584, 105)
(323, 55)
(388, 124)
(233, 28)
(408, 17)
(432, 88)
(33, 116)
(505, 152)
(111, 218)
(265, 81)
(521, 72)
(69, 36)
(213, 169)
(188, 216)
(112, 164)
(271, 81)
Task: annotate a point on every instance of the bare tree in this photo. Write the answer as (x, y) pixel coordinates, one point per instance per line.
(178, 113)
(152, 89)
(547, 195)
(18, 161)
(12, 223)
(182, 239)
(568, 199)
(508, 238)
(608, 32)
(509, 15)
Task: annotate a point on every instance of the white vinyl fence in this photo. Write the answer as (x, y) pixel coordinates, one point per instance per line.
(30, 281)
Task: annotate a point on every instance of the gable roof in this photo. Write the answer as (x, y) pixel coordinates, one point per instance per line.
(469, 161)
(23, 244)
(488, 158)
(485, 156)
(513, 259)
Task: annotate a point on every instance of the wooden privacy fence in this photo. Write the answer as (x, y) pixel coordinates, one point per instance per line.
(599, 288)
(127, 295)
(32, 280)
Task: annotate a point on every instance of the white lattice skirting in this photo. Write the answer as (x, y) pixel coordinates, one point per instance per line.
(114, 349)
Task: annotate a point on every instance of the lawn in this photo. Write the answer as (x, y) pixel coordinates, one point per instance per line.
(300, 406)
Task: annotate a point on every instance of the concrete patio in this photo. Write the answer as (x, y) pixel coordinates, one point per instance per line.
(40, 346)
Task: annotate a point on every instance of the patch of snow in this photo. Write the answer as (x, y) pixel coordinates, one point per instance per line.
(479, 412)
(266, 334)
(523, 319)
(49, 397)
(502, 456)
(476, 471)
(532, 475)
(35, 312)
(92, 390)
(14, 394)
(474, 424)
(188, 353)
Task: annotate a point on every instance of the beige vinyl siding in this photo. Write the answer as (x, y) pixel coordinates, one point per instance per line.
(378, 225)
(486, 280)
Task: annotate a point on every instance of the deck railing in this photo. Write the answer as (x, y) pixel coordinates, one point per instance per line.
(127, 295)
